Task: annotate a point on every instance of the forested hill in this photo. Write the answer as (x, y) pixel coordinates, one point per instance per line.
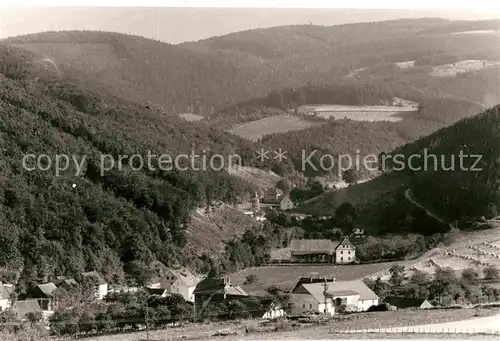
(455, 189)
(120, 223)
(220, 72)
(145, 69)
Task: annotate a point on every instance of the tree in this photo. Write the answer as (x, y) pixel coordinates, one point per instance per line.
(350, 176)
(284, 185)
(397, 274)
(345, 216)
(470, 276)
(491, 273)
(250, 279)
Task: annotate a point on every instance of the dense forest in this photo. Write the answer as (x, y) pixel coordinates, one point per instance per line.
(458, 168)
(120, 222)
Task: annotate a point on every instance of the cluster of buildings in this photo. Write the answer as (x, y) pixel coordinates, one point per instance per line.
(270, 198)
(42, 297)
(316, 251)
(310, 295)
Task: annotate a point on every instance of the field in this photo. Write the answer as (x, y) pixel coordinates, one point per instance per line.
(340, 327)
(285, 276)
(258, 177)
(271, 125)
(494, 32)
(370, 113)
(468, 251)
(191, 117)
(450, 70)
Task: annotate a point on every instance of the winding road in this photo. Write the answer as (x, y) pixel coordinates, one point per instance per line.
(409, 197)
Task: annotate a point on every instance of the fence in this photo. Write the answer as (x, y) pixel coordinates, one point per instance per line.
(414, 330)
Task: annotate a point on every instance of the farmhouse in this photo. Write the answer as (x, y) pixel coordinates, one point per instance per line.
(212, 289)
(44, 294)
(315, 251)
(328, 297)
(178, 281)
(101, 286)
(408, 302)
(272, 195)
(345, 252)
(312, 250)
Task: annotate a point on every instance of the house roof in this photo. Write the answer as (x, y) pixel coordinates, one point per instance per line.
(342, 288)
(305, 246)
(209, 285)
(96, 275)
(213, 285)
(338, 293)
(185, 276)
(70, 282)
(346, 242)
(404, 302)
(24, 307)
(47, 289)
(156, 291)
(4, 292)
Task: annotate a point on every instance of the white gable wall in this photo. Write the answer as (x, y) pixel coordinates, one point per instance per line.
(363, 305)
(304, 303)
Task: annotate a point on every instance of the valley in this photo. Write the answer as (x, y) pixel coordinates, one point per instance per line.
(163, 244)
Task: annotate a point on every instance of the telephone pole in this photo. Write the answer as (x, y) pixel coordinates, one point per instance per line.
(147, 315)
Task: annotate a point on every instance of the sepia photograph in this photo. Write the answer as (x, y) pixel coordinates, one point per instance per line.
(264, 170)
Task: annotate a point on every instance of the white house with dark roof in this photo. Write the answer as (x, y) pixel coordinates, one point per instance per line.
(101, 287)
(5, 296)
(345, 252)
(178, 281)
(316, 298)
(44, 294)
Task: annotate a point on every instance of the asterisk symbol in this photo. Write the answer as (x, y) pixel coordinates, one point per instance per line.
(262, 154)
(280, 155)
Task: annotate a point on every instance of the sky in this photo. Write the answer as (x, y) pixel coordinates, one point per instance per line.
(176, 25)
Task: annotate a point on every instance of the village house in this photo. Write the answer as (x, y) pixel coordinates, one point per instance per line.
(315, 251)
(101, 286)
(401, 302)
(311, 250)
(5, 296)
(272, 195)
(271, 311)
(220, 289)
(329, 296)
(286, 203)
(345, 252)
(44, 294)
(178, 281)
